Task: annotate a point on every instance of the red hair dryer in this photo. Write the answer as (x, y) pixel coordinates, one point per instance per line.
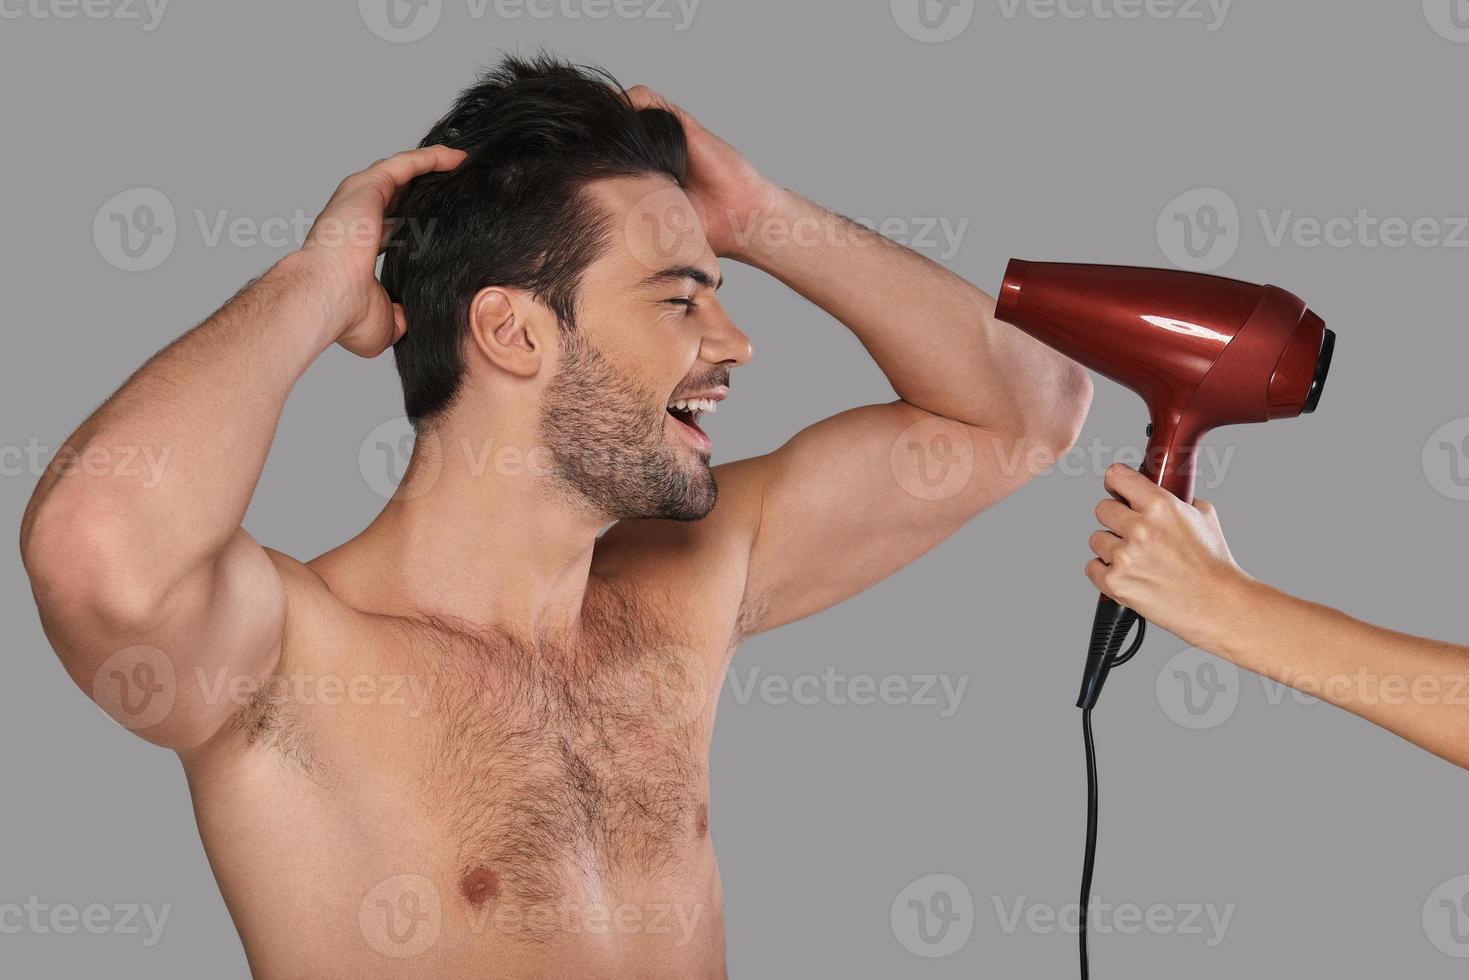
(1202, 351)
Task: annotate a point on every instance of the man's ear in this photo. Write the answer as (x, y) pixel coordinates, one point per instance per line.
(506, 329)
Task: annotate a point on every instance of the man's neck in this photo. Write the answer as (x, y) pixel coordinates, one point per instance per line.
(484, 538)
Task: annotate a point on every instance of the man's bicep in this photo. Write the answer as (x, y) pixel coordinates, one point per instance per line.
(170, 673)
(853, 499)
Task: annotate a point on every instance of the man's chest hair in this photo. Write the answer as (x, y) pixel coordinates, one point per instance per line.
(535, 756)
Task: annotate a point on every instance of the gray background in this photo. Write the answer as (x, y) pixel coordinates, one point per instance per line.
(1056, 138)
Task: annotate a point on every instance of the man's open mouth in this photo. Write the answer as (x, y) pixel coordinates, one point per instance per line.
(688, 410)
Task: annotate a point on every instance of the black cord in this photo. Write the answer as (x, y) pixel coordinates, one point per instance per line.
(1091, 801)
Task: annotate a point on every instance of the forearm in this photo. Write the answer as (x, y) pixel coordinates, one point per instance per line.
(1413, 687)
(933, 334)
(162, 473)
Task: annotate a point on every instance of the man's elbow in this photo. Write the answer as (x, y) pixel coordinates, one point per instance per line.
(1056, 422)
(82, 564)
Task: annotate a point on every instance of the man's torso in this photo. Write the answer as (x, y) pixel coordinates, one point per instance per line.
(407, 797)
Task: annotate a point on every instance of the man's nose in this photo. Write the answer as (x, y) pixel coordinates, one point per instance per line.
(725, 343)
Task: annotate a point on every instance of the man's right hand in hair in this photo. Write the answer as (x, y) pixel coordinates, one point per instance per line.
(123, 561)
(350, 233)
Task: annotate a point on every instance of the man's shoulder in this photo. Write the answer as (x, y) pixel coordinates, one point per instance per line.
(320, 621)
(306, 587)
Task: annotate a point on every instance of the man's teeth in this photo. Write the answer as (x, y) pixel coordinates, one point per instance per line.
(694, 405)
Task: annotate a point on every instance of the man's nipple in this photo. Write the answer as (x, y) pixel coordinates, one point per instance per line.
(479, 886)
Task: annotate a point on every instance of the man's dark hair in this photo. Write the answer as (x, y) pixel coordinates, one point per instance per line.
(513, 213)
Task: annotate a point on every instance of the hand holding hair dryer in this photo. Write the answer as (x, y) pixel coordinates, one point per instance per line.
(1202, 351)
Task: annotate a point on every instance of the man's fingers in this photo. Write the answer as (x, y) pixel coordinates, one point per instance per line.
(1130, 485)
(643, 97)
(400, 168)
(400, 323)
(404, 166)
(1116, 516)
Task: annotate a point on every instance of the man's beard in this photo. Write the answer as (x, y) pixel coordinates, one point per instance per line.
(610, 447)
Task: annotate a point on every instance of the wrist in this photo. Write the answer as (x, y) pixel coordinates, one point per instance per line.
(309, 280)
(1236, 605)
(782, 220)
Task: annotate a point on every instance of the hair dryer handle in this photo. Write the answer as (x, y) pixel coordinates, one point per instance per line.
(1110, 627)
(1170, 463)
(1171, 457)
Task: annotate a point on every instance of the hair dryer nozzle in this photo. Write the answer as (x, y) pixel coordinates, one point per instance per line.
(1323, 366)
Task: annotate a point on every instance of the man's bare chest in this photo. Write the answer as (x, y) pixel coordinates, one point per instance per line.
(597, 766)
(543, 772)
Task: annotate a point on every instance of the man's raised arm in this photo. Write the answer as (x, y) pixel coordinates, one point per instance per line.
(150, 572)
(982, 407)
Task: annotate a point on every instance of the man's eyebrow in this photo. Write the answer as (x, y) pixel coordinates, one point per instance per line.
(677, 273)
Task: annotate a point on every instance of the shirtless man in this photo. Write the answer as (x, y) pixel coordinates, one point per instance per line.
(473, 740)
